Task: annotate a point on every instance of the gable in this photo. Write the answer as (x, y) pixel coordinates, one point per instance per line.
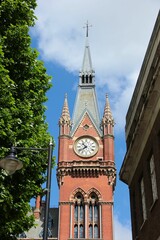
(86, 126)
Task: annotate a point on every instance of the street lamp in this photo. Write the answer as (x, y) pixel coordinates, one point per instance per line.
(11, 164)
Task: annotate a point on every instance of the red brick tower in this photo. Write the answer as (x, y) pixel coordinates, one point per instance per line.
(86, 170)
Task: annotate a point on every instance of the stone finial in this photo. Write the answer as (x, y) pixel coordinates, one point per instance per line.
(111, 173)
(65, 116)
(107, 116)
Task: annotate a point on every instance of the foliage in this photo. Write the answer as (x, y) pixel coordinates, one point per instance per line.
(23, 87)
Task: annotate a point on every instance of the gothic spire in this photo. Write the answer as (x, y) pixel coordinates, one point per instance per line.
(107, 116)
(86, 100)
(65, 116)
(87, 72)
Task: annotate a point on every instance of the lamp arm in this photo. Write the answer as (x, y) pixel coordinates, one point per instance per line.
(24, 148)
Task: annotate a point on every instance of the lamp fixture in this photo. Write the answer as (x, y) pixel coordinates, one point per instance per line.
(11, 163)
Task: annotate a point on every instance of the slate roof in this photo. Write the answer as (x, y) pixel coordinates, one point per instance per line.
(86, 100)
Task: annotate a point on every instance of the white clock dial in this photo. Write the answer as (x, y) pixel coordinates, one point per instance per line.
(86, 146)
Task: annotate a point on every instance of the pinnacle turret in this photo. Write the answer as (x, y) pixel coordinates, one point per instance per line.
(107, 116)
(65, 116)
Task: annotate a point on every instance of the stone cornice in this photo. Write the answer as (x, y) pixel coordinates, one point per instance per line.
(86, 168)
(72, 203)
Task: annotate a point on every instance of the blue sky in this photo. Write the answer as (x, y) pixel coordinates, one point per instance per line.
(118, 40)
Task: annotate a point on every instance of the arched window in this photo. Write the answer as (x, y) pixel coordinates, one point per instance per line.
(90, 231)
(93, 216)
(96, 231)
(76, 231)
(82, 78)
(86, 78)
(90, 78)
(81, 232)
(79, 216)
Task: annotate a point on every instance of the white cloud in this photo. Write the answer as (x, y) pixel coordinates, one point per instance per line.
(122, 231)
(118, 41)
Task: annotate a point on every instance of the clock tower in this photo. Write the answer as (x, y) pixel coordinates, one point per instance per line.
(86, 170)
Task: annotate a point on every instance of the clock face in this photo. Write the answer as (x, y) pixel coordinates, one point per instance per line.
(86, 147)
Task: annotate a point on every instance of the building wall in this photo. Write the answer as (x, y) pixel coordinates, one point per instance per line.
(86, 175)
(150, 227)
(141, 165)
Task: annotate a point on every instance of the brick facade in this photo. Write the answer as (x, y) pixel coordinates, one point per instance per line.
(86, 182)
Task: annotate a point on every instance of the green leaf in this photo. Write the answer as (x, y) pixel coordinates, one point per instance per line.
(24, 83)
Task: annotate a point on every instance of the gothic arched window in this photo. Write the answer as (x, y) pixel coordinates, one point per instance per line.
(93, 216)
(90, 78)
(81, 232)
(75, 231)
(90, 231)
(79, 216)
(82, 78)
(86, 78)
(96, 231)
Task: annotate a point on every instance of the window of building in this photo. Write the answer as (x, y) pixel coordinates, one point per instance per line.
(79, 216)
(86, 222)
(83, 79)
(22, 235)
(153, 179)
(90, 78)
(75, 231)
(86, 78)
(93, 216)
(90, 231)
(49, 233)
(143, 199)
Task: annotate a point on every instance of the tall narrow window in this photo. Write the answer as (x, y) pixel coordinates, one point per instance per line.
(93, 216)
(86, 78)
(75, 231)
(90, 213)
(83, 79)
(153, 179)
(96, 213)
(90, 231)
(79, 216)
(81, 212)
(144, 211)
(76, 212)
(95, 231)
(81, 235)
(90, 78)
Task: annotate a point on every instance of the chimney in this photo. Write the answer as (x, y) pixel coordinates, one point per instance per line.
(37, 211)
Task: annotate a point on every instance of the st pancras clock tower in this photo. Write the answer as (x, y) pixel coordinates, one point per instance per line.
(86, 171)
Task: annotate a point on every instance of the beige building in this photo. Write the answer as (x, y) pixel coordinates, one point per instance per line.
(141, 166)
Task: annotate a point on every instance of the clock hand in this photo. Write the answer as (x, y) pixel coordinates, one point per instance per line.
(85, 146)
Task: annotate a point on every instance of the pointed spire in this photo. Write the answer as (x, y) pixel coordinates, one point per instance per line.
(107, 116)
(65, 116)
(87, 63)
(87, 72)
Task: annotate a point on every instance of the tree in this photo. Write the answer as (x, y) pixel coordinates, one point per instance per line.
(23, 87)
